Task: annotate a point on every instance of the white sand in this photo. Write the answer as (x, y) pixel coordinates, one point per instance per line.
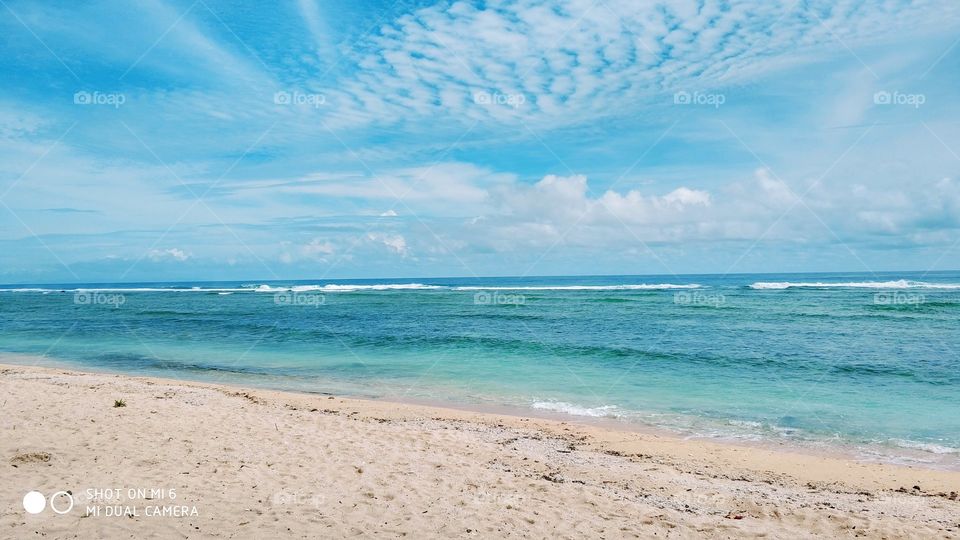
(260, 464)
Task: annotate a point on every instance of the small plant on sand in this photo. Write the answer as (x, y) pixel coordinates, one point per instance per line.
(119, 403)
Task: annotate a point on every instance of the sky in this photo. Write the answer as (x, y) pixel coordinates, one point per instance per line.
(168, 140)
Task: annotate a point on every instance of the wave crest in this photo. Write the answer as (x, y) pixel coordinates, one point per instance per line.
(347, 288)
(606, 411)
(638, 287)
(898, 284)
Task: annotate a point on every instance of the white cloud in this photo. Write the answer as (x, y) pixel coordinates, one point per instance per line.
(566, 201)
(394, 242)
(685, 196)
(437, 189)
(168, 254)
(319, 30)
(584, 59)
(316, 247)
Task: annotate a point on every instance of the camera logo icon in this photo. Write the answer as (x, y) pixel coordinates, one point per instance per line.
(35, 502)
(82, 98)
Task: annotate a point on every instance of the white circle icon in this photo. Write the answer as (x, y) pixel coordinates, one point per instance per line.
(34, 502)
(61, 494)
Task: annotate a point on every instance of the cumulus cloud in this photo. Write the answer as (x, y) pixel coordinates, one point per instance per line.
(562, 210)
(316, 249)
(394, 242)
(508, 215)
(173, 254)
(559, 200)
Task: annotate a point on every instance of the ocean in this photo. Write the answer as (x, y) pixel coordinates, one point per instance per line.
(866, 363)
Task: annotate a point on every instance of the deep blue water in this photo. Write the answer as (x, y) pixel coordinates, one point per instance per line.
(864, 360)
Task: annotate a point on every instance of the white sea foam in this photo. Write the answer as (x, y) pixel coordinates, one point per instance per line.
(638, 287)
(346, 288)
(385, 287)
(148, 289)
(607, 411)
(124, 290)
(268, 288)
(27, 290)
(926, 447)
(333, 288)
(898, 284)
(905, 452)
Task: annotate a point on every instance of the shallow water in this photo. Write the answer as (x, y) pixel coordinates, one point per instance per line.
(865, 361)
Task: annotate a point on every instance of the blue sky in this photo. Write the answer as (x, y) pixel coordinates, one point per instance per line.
(209, 140)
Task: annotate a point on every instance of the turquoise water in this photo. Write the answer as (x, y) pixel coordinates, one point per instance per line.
(863, 361)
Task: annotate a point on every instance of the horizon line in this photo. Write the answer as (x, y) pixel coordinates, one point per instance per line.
(322, 279)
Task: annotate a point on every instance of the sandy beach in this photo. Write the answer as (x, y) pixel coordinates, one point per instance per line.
(189, 460)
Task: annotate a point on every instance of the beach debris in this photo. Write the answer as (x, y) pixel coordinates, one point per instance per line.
(553, 477)
(119, 403)
(31, 457)
(734, 515)
(249, 397)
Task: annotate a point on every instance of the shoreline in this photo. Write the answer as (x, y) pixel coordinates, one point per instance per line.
(458, 470)
(614, 431)
(841, 451)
